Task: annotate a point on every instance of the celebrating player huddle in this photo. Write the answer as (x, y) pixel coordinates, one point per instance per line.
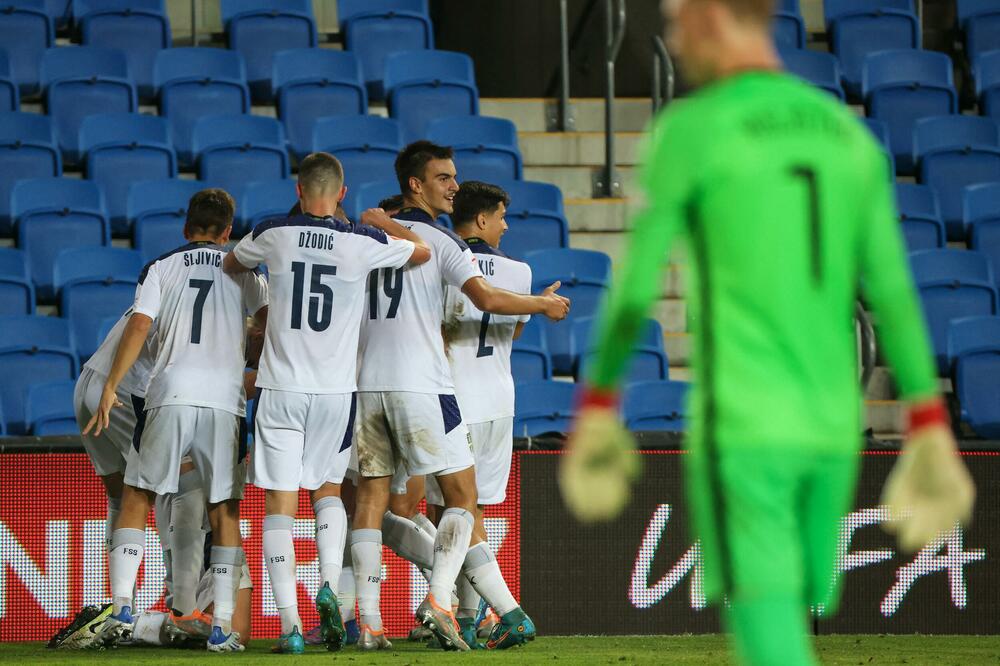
(377, 338)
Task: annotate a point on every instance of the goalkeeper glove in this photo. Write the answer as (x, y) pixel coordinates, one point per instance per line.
(599, 461)
(929, 488)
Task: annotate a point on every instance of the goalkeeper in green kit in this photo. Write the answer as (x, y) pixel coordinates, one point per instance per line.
(786, 204)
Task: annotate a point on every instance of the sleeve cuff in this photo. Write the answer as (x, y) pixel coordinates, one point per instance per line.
(594, 397)
(928, 413)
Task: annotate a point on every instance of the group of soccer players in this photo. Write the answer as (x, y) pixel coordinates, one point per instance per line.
(382, 356)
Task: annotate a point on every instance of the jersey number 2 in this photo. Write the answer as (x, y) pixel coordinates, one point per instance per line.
(320, 304)
(808, 175)
(203, 287)
(484, 349)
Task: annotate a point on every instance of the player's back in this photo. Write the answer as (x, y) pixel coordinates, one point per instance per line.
(479, 343)
(401, 344)
(200, 317)
(137, 378)
(782, 196)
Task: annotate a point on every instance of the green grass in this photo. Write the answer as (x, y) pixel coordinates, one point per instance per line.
(862, 650)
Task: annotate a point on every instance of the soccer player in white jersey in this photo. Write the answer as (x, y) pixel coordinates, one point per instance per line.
(317, 268)
(194, 405)
(407, 410)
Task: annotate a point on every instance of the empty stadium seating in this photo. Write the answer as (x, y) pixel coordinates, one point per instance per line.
(986, 70)
(25, 32)
(423, 85)
(979, 21)
(648, 362)
(788, 27)
(27, 150)
(10, 99)
(257, 29)
(49, 409)
(535, 218)
(541, 407)
(119, 149)
(17, 295)
(368, 195)
(234, 150)
(655, 405)
(974, 349)
(485, 148)
(529, 357)
(952, 284)
(33, 349)
(263, 200)
(315, 83)
(365, 145)
(818, 68)
(982, 219)
(920, 216)
(157, 210)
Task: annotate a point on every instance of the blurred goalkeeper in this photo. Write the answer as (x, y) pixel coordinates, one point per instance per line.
(787, 204)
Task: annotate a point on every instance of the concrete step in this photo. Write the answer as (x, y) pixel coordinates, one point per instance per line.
(577, 182)
(597, 214)
(538, 114)
(885, 417)
(672, 314)
(576, 148)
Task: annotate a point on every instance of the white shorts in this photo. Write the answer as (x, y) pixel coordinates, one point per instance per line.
(206, 586)
(492, 447)
(215, 440)
(108, 451)
(399, 477)
(422, 432)
(302, 440)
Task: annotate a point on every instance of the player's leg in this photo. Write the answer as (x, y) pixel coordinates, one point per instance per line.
(187, 540)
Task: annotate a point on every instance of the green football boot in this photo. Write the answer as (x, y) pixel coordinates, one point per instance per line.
(330, 622)
(290, 643)
(515, 629)
(467, 627)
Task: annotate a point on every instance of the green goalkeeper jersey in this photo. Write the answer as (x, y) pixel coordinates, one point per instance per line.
(786, 202)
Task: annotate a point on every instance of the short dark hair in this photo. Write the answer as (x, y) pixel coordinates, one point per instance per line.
(412, 161)
(475, 197)
(321, 172)
(395, 202)
(209, 212)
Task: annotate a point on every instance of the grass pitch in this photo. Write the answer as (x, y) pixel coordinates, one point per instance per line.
(861, 650)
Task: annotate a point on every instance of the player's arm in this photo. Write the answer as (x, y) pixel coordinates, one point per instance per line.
(246, 256)
(492, 299)
(129, 348)
(376, 217)
(231, 265)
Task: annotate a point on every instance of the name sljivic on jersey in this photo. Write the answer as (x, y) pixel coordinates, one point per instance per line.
(316, 270)
(479, 343)
(401, 346)
(201, 326)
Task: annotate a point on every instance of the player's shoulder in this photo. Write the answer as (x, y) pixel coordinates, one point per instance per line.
(167, 256)
(305, 222)
(425, 226)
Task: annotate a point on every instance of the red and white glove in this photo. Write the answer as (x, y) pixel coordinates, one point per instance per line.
(599, 461)
(929, 489)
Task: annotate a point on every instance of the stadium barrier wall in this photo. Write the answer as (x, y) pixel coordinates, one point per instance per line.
(641, 573)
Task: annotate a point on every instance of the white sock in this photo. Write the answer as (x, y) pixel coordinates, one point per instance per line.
(483, 571)
(450, 547)
(187, 542)
(331, 534)
(425, 524)
(227, 562)
(127, 548)
(147, 628)
(366, 552)
(408, 540)
(346, 595)
(279, 553)
(468, 598)
(114, 508)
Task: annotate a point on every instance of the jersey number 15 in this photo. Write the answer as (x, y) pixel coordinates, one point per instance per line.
(320, 299)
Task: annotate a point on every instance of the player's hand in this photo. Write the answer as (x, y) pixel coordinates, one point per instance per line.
(375, 217)
(102, 417)
(556, 307)
(599, 462)
(929, 489)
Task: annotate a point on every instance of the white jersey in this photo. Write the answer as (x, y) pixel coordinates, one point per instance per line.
(479, 343)
(200, 314)
(137, 378)
(401, 344)
(317, 269)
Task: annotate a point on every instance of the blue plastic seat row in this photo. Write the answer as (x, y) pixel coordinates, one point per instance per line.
(974, 354)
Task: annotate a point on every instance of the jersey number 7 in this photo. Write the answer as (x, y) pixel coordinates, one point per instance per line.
(808, 175)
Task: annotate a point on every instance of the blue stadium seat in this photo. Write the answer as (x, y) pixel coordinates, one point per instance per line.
(986, 69)
(156, 210)
(32, 349)
(655, 406)
(234, 150)
(649, 359)
(49, 409)
(818, 68)
(264, 200)
(197, 82)
(979, 20)
(953, 152)
(982, 220)
(952, 284)
(25, 32)
(258, 29)
(140, 28)
(120, 149)
(788, 27)
(485, 148)
(535, 217)
(423, 85)
(366, 145)
(920, 216)
(3, 421)
(974, 350)
(104, 328)
(880, 131)
(541, 407)
(532, 195)
(60, 12)
(80, 81)
(860, 27)
(27, 150)
(54, 214)
(94, 283)
(10, 99)
(902, 86)
(529, 356)
(375, 28)
(313, 83)
(17, 295)
(367, 195)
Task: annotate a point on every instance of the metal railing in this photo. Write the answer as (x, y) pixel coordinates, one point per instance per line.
(564, 122)
(609, 184)
(664, 76)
